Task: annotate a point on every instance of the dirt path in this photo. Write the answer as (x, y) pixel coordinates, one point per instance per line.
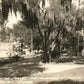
(59, 67)
(62, 71)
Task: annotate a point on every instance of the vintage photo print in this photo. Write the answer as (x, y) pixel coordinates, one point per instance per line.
(41, 41)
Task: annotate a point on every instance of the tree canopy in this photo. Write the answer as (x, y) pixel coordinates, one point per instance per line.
(53, 19)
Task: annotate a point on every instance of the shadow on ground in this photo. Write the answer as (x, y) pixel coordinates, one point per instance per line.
(23, 68)
(62, 82)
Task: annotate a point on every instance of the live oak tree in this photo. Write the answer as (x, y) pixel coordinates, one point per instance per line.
(53, 23)
(47, 20)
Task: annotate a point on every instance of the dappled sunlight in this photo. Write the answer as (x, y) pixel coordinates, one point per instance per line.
(42, 41)
(27, 63)
(24, 68)
(63, 66)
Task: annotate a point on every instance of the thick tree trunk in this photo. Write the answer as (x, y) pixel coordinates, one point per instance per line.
(45, 51)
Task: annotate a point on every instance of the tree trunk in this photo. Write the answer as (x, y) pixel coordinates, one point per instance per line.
(45, 51)
(32, 40)
(78, 47)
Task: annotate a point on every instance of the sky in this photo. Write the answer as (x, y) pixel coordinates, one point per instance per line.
(12, 19)
(75, 2)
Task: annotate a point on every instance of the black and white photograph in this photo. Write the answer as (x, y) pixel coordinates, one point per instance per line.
(41, 41)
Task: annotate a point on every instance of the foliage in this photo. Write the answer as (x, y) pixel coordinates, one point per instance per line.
(57, 26)
(21, 32)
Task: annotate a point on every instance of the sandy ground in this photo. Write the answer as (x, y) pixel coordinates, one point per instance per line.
(59, 67)
(53, 71)
(59, 72)
(4, 48)
(62, 71)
